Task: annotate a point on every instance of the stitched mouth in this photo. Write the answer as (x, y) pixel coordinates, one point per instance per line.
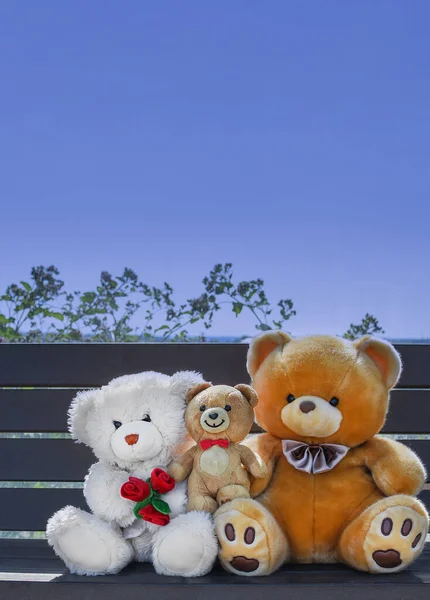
(215, 426)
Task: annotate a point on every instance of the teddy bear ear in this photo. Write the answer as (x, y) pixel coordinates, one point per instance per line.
(262, 346)
(384, 356)
(200, 387)
(183, 381)
(249, 393)
(79, 410)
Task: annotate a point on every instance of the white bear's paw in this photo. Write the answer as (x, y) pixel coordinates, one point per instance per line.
(86, 544)
(187, 546)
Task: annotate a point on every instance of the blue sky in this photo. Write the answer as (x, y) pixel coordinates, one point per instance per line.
(289, 138)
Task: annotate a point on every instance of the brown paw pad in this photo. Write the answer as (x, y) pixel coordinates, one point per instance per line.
(249, 536)
(246, 565)
(230, 533)
(386, 526)
(387, 559)
(406, 527)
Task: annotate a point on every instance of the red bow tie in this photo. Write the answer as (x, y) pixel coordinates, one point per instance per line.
(206, 444)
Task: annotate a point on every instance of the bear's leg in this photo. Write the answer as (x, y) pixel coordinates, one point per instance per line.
(187, 546)
(230, 492)
(386, 537)
(200, 502)
(87, 545)
(252, 542)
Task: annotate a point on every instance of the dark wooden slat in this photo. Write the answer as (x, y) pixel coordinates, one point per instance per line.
(12, 550)
(45, 410)
(44, 460)
(68, 590)
(409, 412)
(416, 361)
(28, 509)
(63, 460)
(90, 365)
(425, 499)
(42, 410)
(304, 582)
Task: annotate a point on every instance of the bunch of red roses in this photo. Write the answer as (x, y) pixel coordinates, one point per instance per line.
(147, 495)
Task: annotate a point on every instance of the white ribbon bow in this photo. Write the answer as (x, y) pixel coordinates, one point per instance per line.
(313, 458)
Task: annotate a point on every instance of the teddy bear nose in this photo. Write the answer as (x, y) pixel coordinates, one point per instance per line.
(307, 406)
(131, 439)
(213, 416)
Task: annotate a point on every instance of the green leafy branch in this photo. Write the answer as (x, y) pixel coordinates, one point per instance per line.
(122, 308)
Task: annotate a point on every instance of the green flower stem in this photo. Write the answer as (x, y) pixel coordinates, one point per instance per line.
(154, 498)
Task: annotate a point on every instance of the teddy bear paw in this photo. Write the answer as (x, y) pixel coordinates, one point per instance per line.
(186, 547)
(87, 545)
(395, 538)
(243, 541)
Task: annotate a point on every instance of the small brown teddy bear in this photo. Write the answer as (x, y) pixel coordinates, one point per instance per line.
(217, 418)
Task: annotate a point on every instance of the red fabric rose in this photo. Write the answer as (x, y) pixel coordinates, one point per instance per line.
(152, 515)
(135, 489)
(161, 481)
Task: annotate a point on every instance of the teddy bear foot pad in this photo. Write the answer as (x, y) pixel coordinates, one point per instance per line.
(394, 539)
(250, 539)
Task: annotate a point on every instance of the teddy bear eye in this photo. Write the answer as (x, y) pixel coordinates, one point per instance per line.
(290, 398)
(147, 418)
(334, 401)
(203, 407)
(117, 424)
(227, 407)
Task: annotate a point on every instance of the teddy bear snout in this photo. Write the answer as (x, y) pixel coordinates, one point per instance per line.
(215, 420)
(307, 406)
(131, 439)
(311, 416)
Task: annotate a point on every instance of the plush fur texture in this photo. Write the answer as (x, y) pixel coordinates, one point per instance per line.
(363, 511)
(216, 474)
(133, 425)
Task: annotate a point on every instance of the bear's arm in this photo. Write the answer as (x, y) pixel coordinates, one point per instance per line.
(252, 462)
(394, 467)
(177, 500)
(269, 449)
(102, 493)
(180, 468)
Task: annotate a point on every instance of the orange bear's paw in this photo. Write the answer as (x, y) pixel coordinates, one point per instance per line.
(244, 544)
(395, 538)
(251, 541)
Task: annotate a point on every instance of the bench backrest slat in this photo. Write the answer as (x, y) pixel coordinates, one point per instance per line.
(89, 365)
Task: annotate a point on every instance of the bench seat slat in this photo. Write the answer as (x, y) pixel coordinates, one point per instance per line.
(304, 582)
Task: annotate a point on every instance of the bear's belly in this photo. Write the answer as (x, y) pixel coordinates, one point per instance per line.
(214, 461)
(313, 510)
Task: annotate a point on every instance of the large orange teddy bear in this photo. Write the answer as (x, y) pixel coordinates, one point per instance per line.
(335, 491)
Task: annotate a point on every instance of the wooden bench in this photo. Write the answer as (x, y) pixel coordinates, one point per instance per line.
(37, 383)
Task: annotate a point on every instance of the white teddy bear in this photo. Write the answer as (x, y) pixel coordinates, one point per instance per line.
(133, 426)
